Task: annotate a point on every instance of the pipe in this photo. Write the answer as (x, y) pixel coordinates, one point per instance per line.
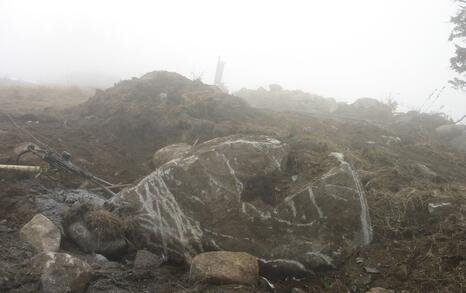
(21, 168)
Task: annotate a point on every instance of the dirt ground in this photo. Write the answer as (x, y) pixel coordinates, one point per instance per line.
(413, 250)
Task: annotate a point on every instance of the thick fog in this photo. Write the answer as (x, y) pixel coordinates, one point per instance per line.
(342, 49)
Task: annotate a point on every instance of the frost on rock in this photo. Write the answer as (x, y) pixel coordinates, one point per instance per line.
(217, 196)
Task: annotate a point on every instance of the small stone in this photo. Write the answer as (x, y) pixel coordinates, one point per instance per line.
(424, 170)
(42, 234)
(146, 260)
(225, 267)
(100, 258)
(61, 272)
(371, 270)
(297, 290)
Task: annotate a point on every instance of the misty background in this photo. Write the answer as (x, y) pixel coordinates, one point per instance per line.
(342, 49)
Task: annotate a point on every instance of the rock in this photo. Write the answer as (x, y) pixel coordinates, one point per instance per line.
(371, 270)
(379, 290)
(167, 153)
(459, 142)
(61, 272)
(449, 131)
(95, 230)
(225, 267)
(424, 170)
(42, 234)
(297, 290)
(224, 195)
(146, 260)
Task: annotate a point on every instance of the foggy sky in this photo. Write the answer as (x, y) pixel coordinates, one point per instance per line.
(343, 48)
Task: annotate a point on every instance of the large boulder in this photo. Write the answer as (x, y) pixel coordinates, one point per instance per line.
(234, 193)
(61, 272)
(42, 234)
(225, 267)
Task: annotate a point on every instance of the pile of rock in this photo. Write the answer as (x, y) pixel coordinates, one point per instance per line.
(59, 272)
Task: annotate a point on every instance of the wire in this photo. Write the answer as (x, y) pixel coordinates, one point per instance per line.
(25, 131)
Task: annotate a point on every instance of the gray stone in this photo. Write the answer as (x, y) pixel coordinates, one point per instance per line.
(449, 131)
(221, 195)
(225, 267)
(146, 260)
(42, 234)
(371, 270)
(61, 272)
(424, 170)
(459, 142)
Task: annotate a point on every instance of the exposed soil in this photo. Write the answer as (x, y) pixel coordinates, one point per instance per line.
(115, 134)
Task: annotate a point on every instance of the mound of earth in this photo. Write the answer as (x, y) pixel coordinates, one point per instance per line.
(161, 108)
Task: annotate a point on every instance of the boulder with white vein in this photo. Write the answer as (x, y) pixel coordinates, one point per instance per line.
(221, 196)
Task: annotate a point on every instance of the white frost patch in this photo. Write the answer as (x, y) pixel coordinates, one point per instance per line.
(246, 205)
(276, 262)
(198, 199)
(433, 206)
(161, 212)
(268, 143)
(264, 146)
(365, 219)
(292, 207)
(52, 259)
(238, 184)
(313, 200)
(339, 156)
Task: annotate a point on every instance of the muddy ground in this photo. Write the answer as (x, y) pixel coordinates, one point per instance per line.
(413, 250)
